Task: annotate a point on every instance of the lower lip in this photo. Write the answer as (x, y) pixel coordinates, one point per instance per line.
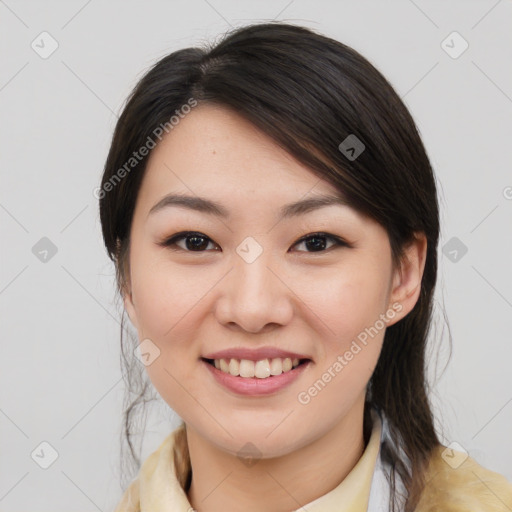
(254, 386)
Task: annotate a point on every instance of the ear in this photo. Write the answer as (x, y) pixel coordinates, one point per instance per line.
(124, 282)
(406, 285)
(130, 308)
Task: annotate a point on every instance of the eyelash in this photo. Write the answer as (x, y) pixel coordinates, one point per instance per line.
(171, 242)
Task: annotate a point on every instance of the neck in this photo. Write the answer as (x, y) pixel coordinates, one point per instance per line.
(221, 482)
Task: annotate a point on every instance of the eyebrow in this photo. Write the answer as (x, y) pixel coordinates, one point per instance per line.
(211, 207)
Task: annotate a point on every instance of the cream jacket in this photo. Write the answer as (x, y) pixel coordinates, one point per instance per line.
(454, 483)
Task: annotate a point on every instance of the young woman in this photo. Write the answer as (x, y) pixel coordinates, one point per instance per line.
(273, 218)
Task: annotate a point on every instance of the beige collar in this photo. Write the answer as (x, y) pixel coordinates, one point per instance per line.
(158, 489)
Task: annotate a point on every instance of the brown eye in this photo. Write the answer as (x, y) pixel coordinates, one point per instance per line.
(193, 242)
(317, 242)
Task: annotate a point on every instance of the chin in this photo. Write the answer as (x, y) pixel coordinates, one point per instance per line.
(265, 442)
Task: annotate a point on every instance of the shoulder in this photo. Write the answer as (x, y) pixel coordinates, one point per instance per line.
(454, 482)
(164, 471)
(130, 501)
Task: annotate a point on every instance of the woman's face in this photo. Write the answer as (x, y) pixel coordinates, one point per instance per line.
(249, 279)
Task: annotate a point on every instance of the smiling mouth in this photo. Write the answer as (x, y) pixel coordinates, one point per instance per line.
(262, 369)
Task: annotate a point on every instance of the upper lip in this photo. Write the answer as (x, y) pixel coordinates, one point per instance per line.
(254, 354)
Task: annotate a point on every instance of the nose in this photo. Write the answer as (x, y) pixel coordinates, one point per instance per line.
(255, 297)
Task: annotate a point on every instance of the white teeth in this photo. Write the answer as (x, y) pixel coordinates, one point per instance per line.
(246, 368)
(234, 367)
(260, 369)
(276, 367)
(287, 364)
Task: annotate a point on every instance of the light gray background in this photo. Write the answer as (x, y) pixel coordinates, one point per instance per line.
(60, 377)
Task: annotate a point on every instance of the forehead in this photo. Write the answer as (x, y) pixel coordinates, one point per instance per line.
(216, 151)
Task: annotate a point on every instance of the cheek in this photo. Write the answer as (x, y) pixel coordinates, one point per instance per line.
(351, 343)
(170, 308)
(347, 301)
(165, 295)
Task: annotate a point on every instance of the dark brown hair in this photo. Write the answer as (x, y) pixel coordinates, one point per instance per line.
(308, 93)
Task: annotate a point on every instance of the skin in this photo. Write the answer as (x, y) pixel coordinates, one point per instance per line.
(293, 296)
